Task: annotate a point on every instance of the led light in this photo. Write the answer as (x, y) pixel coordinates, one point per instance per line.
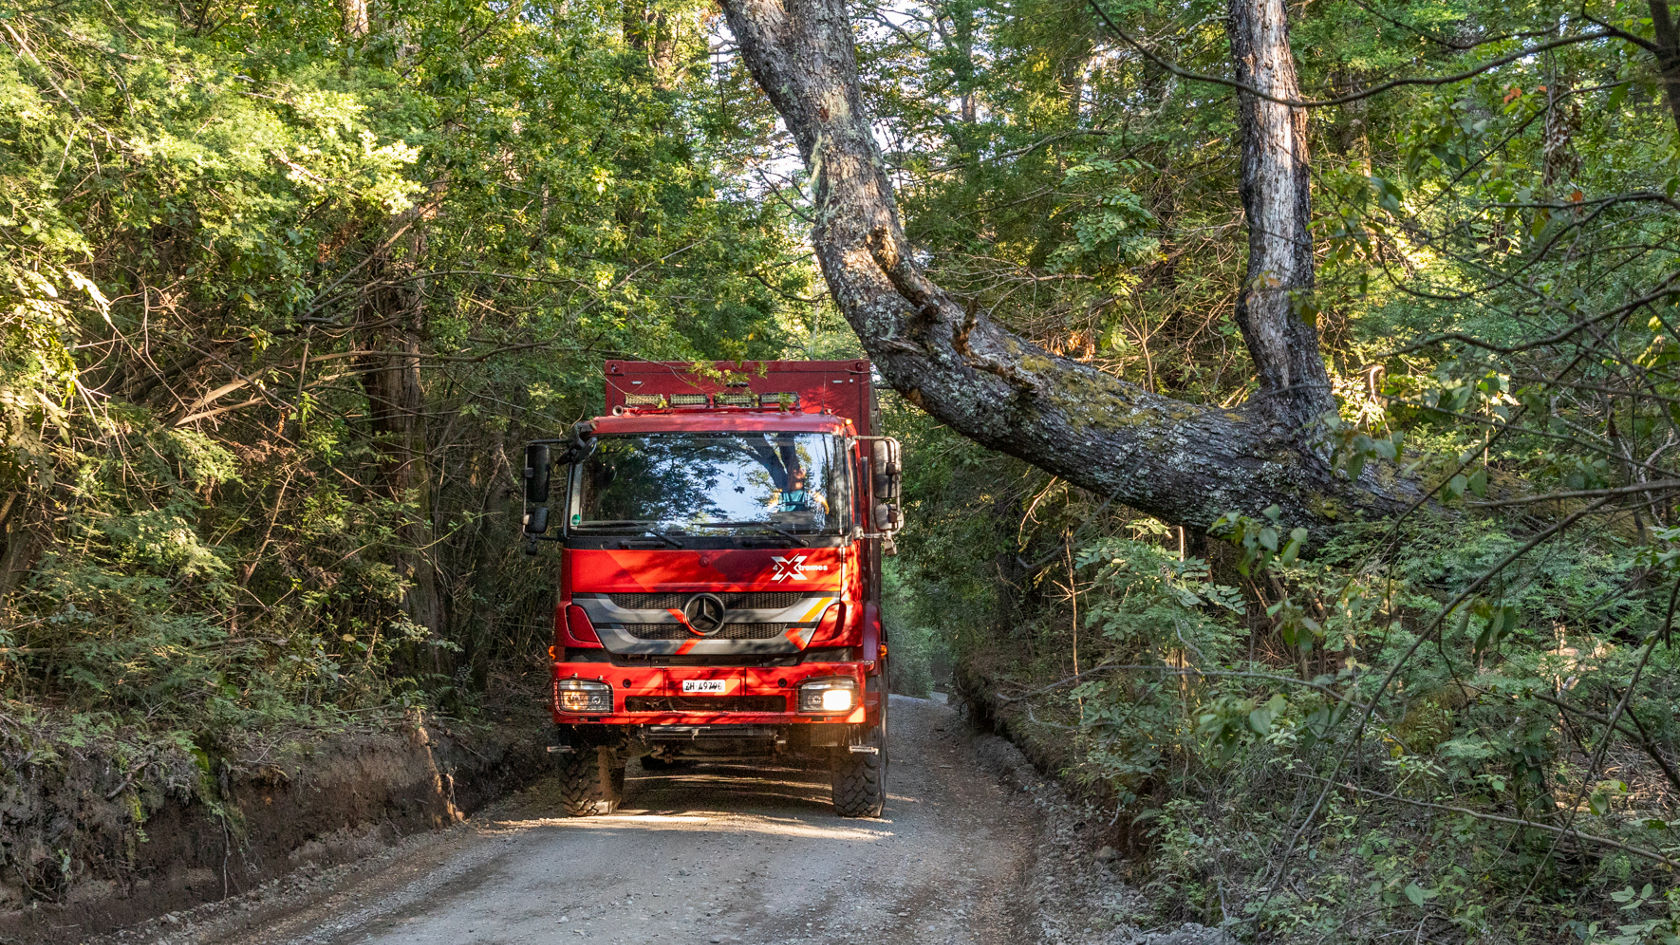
(583, 695)
(838, 694)
(836, 700)
(688, 400)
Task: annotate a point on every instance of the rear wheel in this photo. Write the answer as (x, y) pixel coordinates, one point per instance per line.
(591, 781)
(860, 777)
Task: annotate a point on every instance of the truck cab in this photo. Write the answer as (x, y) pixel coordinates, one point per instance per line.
(720, 534)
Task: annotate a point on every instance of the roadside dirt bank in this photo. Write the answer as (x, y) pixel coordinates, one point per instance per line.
(120, 848)
(974, 847)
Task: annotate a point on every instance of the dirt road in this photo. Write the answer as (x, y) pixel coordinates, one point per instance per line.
(710, 854)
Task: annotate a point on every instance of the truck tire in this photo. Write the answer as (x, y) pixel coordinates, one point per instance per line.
(860, 778)
(591, 781)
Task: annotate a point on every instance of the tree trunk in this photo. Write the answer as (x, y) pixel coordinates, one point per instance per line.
(648, 30)
(1350, 132)
(355, 13)
(1185, 463)
(389, 329)
(962, 40)
(1668, 54)
(1273, 308)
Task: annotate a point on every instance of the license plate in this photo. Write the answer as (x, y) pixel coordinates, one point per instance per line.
(715, 686)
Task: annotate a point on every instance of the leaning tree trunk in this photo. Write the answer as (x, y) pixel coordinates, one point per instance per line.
(1185, 463)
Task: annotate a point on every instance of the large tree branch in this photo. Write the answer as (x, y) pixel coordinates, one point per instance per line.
(1183, 462)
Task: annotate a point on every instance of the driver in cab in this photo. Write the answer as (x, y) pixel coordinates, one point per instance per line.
(798, 497)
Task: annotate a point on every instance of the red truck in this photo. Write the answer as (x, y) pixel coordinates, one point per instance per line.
(721, 531)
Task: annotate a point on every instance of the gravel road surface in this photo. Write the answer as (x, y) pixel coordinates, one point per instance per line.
(719, 854)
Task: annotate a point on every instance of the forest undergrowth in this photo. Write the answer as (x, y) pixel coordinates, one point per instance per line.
(1341, 746)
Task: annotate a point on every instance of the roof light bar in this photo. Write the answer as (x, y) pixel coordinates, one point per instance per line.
(773, 401)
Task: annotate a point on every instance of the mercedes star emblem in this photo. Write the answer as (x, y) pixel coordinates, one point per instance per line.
(704, 613)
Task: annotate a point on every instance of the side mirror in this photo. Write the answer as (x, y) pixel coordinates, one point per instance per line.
(887, 472)
(537, 465)
(536, 520)
(888, 516)
(887, 484)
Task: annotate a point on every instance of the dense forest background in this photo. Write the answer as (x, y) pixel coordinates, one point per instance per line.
(286, 286)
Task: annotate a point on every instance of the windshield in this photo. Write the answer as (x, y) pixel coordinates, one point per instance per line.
(713, 483)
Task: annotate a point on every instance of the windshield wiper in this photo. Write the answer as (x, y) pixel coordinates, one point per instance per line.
(645, 531)
(793, 537)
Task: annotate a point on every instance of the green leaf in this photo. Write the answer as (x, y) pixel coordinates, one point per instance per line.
(1418, 894)
(1455, 486)
(1261, 718)
(1478, 482)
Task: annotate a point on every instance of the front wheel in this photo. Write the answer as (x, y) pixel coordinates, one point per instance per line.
(860, 777)
(591, 781)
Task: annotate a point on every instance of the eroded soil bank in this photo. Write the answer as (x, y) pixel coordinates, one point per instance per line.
(86, 847)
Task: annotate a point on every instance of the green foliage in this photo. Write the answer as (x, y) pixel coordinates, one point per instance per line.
(1368, 730)
(278, 303)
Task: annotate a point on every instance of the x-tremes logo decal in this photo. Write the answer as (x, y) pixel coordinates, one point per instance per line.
(786, 567)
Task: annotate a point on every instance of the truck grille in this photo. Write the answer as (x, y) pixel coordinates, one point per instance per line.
(730, 631)
(746, 600)
(706, 704)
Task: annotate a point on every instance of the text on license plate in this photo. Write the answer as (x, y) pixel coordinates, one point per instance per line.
(705, 685)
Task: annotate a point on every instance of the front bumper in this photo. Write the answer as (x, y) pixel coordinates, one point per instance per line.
(744, 695)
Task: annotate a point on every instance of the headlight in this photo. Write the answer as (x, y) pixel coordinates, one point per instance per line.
(828, 695)
(583, 695)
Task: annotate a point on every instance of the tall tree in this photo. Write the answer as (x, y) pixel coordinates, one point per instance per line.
(390, 323)
(1183, 462)
(1276, 184)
